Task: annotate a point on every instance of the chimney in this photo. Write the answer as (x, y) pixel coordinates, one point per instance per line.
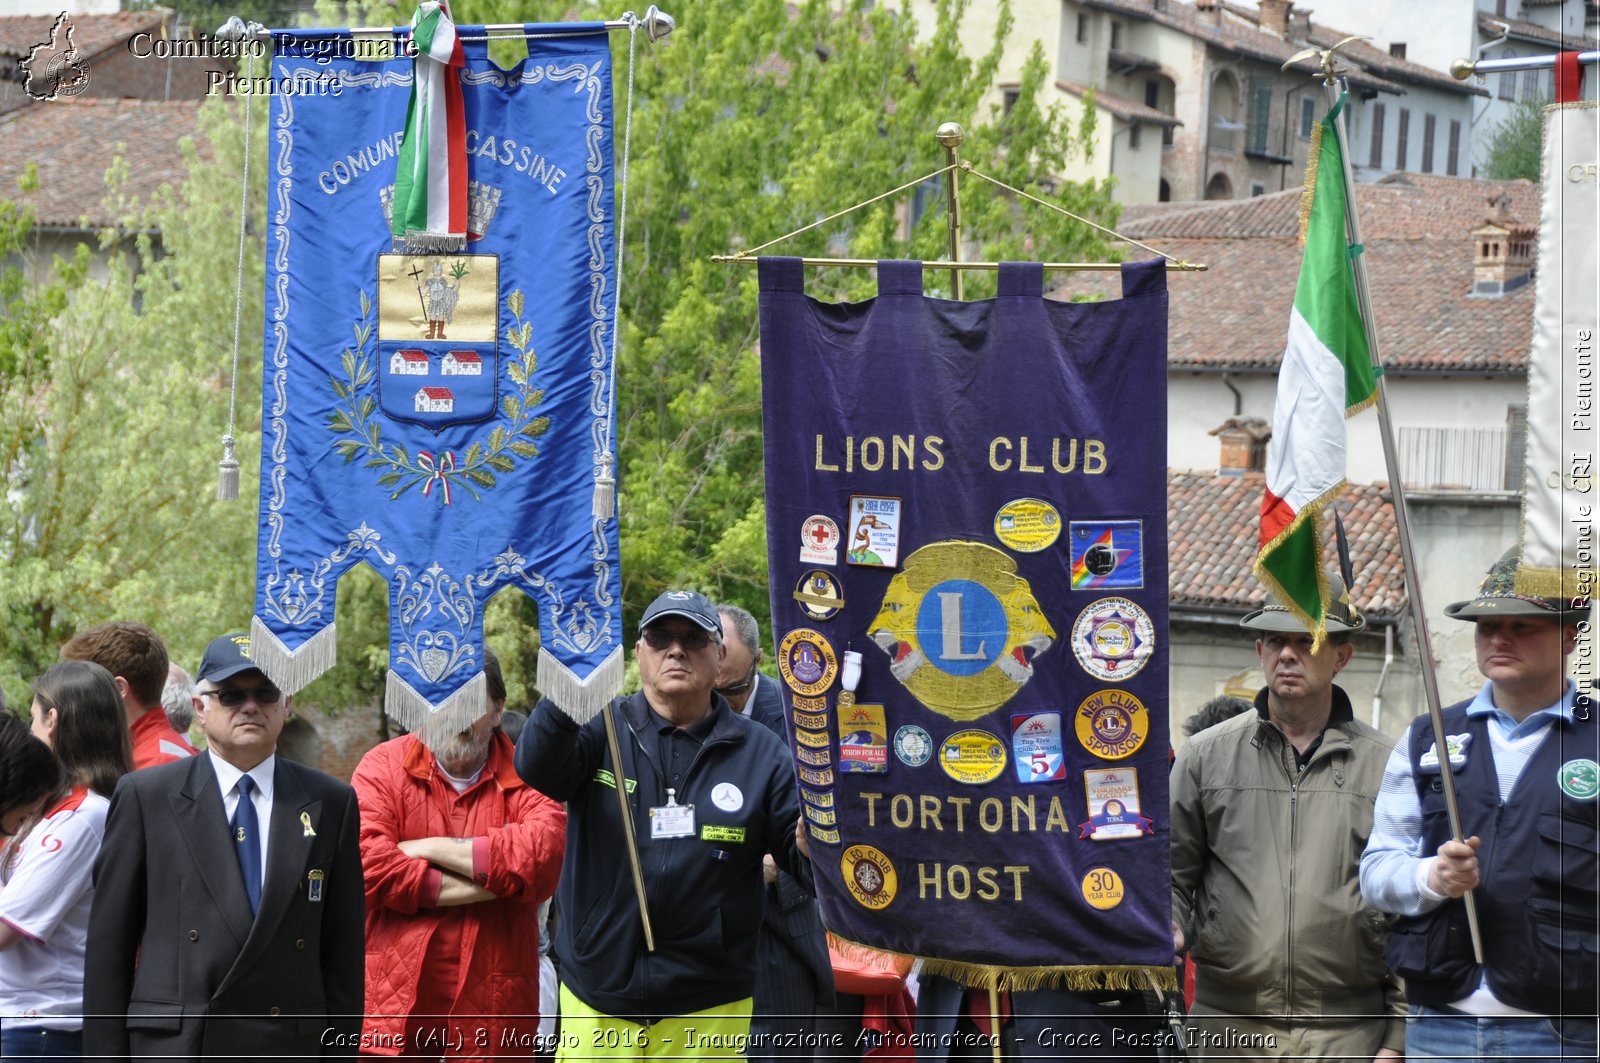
(1503, 252)
(1244, 445)
(1275, 17)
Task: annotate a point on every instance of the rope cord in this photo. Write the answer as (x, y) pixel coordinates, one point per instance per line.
(228, 470)
(841, 213)
(1063, 210)
(605, 478)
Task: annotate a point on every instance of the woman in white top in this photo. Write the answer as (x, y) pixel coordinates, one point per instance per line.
(46, 883)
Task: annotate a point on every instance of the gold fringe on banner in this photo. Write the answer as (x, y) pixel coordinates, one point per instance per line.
(1568, 583)
(1308, 193)
(1078, 979)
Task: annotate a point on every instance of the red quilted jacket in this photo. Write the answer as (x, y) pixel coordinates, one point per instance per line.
(521, 837)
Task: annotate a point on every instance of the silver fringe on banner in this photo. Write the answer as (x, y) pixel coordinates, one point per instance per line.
(582, 701)
(291, 670)
(432, 723)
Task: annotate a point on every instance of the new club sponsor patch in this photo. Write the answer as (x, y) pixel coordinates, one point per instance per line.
(1028, 525)
(1112, 724)
(974, 757)
(819, 595)
(869, 876)
(1103, 889)
(1113, 805)
(1107, 555)
(1113, 639)
(874, 531)
(1579, 779)
(863, 738)
(819, 541)
(806, 662)
(1036, 747)
(913, 746)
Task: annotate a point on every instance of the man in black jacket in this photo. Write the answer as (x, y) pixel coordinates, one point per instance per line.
(709, 793)
(794, 977)
(228, 908)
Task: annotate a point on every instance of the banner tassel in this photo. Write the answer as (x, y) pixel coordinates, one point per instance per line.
(227, 473)
(580, 699)
(292, 670)
(605, 489)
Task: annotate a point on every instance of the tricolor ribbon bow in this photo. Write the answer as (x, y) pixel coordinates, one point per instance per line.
(430, 185)
(439, 472)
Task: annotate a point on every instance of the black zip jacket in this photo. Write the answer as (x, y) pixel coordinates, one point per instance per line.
(705, 892)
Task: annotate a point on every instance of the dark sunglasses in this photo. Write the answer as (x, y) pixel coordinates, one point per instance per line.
(740, 687)
(662, 639)
(233, 697)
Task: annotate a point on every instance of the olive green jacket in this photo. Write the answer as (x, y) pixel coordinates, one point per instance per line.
(1265, 871)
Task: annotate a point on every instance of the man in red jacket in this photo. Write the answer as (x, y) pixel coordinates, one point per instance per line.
(458, 853)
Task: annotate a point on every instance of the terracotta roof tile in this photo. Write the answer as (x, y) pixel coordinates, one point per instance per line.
(1419, 262)
(60, 137)
(1212, 526)
(1489, 25)
(91, 34)
(1122, 108)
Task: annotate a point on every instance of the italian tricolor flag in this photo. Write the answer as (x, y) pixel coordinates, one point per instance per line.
(1326, 376)
(430, 185)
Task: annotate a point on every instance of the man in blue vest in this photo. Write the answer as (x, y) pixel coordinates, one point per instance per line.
(1523, 754)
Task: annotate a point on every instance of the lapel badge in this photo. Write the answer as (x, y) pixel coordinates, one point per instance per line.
(305, 821)
(314, 880)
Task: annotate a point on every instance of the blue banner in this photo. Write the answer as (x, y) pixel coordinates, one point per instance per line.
(441, 416)
(966, 526)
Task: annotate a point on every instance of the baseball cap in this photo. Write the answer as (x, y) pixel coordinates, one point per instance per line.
(1497, 596)
(1342, 614)
(226, 655)
(691, 605)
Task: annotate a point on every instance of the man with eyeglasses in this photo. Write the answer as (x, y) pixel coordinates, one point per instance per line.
(709, 792)
(794, 977)
(261, 956)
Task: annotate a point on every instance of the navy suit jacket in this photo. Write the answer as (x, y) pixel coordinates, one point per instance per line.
(793, 945)
(177, 968)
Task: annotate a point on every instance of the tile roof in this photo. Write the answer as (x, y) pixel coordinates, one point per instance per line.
(91, 34)
(1125, 109)
(62, 137)
(1489, 25)
(1419, 262)
(1212, 525)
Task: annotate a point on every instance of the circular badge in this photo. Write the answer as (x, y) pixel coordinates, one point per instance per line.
(806, 662)
(819, 538)
(1113, 639)
(973, 757)
(727, 797)
(1579, 779)
(869, 876)
(819, 595)
(1102, 888)
(1028, 525)
(913, 745)
(1112, 724)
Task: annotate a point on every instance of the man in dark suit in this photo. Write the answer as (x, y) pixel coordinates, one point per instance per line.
(228, 912)
(794, 978)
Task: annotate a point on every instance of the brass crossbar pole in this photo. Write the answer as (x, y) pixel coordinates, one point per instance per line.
(1057, 267)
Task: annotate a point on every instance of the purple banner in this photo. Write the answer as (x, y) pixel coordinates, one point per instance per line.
(966, 526)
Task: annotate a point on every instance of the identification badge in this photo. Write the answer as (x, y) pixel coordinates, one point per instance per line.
(314, 880)
(672, 820)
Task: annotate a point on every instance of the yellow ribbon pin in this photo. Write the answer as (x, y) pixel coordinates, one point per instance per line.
(305, 821)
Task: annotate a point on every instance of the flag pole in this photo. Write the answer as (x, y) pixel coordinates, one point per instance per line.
(1333, 85)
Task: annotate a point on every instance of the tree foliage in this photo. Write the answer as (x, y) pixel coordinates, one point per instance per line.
(1515, 147)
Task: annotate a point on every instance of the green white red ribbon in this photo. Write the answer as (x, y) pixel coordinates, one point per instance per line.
(430, 187)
